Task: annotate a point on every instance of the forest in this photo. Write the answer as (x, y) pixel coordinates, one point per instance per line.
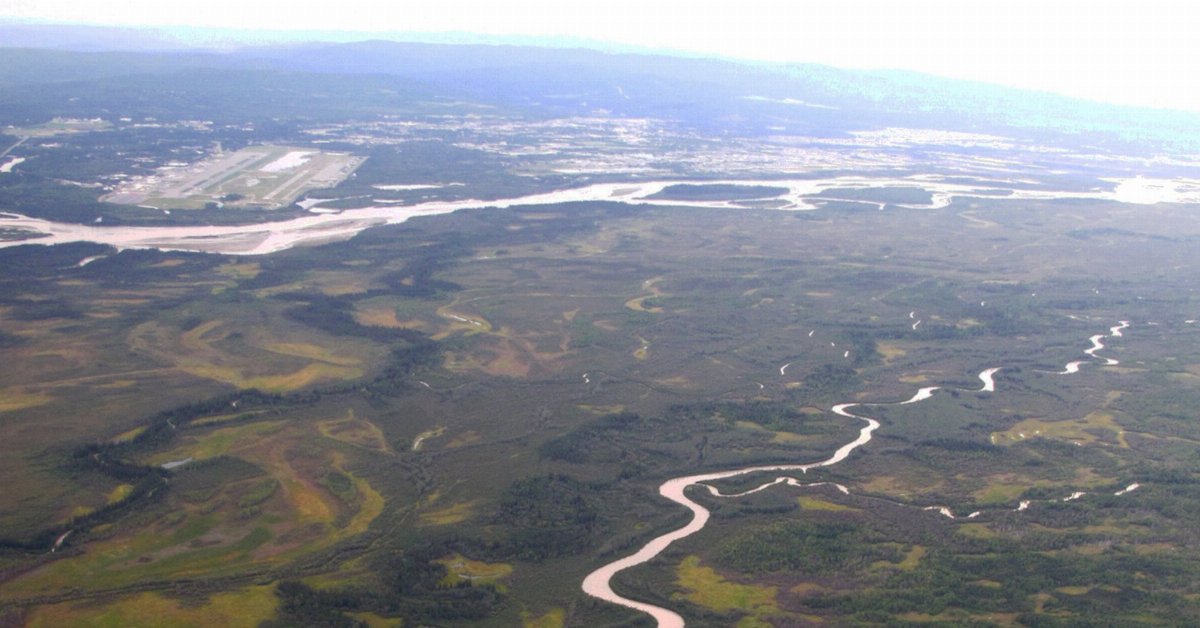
(454, 420)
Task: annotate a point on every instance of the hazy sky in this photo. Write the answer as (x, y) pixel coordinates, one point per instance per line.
(1129, 52)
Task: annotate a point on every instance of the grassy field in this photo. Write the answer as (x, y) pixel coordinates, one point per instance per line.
(246, 608)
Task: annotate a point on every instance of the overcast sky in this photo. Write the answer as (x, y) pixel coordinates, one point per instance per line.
(1129, 52)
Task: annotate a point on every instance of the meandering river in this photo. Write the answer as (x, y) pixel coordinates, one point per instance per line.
(598, 583)
(318, 228)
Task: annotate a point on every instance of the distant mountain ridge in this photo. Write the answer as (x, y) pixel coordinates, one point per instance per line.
(711, 94)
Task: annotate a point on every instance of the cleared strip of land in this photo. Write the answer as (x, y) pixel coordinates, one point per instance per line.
(266, 177)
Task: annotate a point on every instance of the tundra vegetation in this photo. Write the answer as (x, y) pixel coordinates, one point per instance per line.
(452, 421)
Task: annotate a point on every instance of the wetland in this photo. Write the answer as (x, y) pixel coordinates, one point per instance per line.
(544, 364)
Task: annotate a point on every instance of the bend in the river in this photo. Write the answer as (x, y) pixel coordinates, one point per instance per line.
(598, 583)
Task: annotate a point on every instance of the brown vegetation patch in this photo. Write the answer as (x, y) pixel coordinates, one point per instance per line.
(383, 317)
(889, 350)
(679, 381)
(638, 304)
(17, 398)
(508, 361)
(246, 364)
(240, 271)
(901, 486)
(1095, 427)
(469, 437)
(354, 431)
(449, 515)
